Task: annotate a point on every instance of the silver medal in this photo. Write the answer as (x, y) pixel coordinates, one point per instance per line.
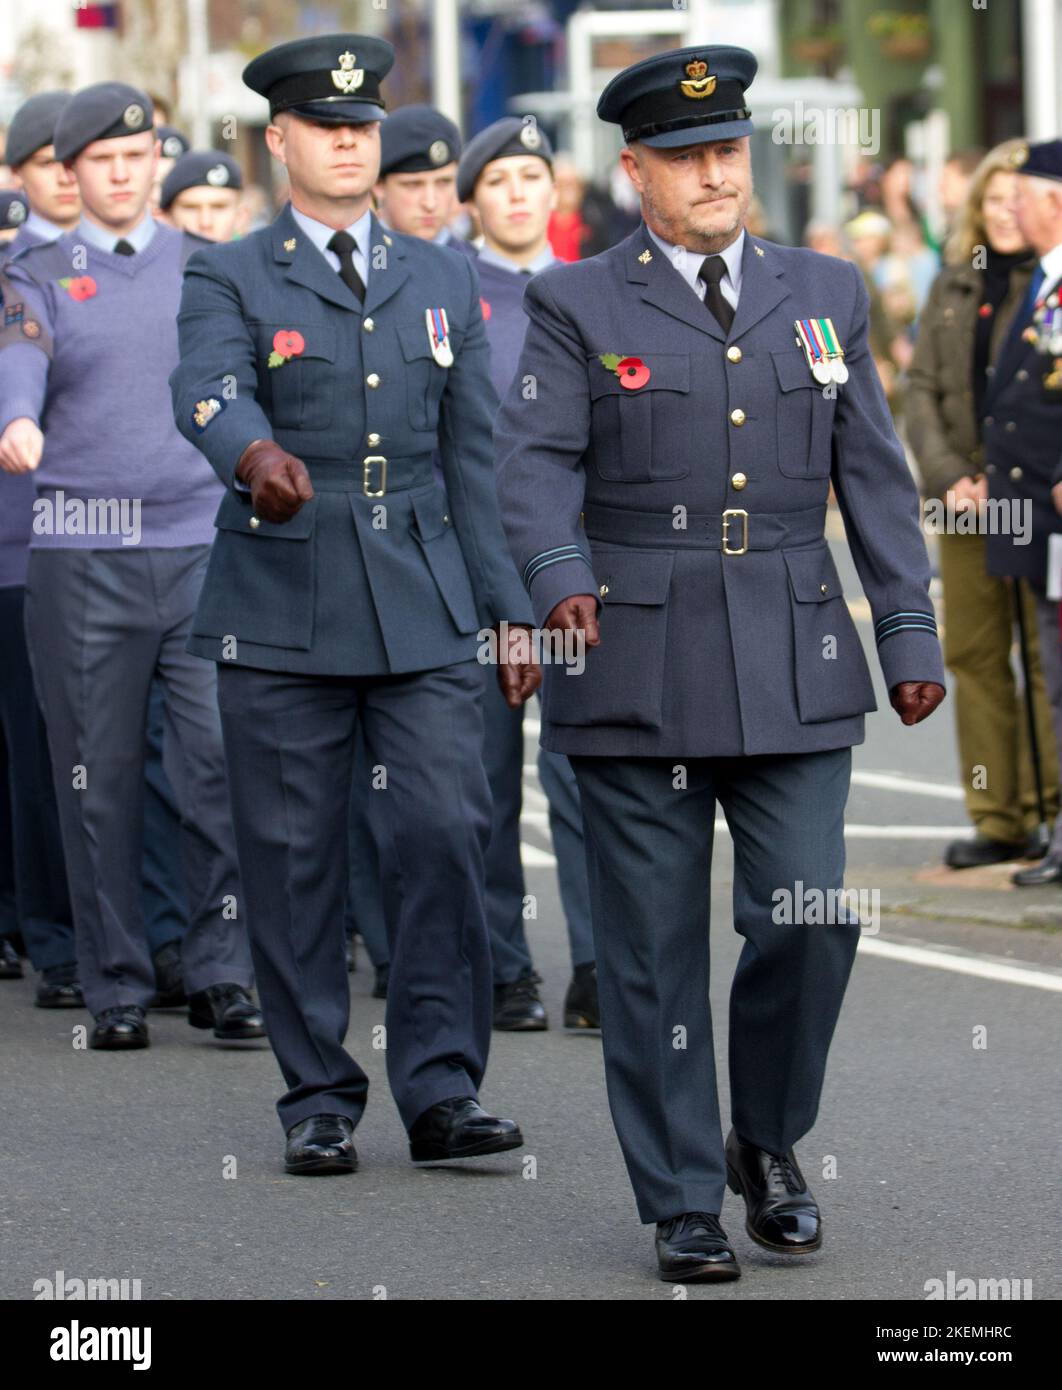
(821, 372)
(443, 355)
(838, 371)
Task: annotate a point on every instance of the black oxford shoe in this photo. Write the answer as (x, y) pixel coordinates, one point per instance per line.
(10, 965)
(975, 853)
(693, 1249)
(1049, 870)
(229, 1010)
(581, 1009)
(517, 1007)
(322, 1144)
(781, 1214)
(120, 1029)
(58, 988)
(460, 1128)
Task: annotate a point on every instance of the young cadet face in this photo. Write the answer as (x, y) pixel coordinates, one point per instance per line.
(419, 204)
(114, 177)
(326, 163)
(695, 196)
(514, 197)
(209, 212)
(50, 187)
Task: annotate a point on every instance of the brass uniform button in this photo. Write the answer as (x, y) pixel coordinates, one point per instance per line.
(368, 325)
(374, 439)
(822, 588)
(738, 481)
(1015, 474)
(254, 523)
(733, 354)
(372, 381)
(1023, 375)
(603, 590)
(446, 519)
(737, 417)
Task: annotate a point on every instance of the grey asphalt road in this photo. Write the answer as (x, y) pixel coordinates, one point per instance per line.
(932, 1153)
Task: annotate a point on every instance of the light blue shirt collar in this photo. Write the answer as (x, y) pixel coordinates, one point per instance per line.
(105, 240)
(40, 226)
(688, 264)
(321, 235)
(542, 261)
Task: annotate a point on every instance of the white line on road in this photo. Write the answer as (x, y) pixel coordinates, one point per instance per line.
(890, 781)
(984, 967)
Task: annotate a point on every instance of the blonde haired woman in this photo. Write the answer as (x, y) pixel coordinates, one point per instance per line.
(969, 310)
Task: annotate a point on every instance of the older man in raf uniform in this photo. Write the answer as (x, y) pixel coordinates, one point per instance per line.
(664, 486)
(323, 360)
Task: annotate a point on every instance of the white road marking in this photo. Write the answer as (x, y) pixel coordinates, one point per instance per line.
(961, 963)
(896, 782)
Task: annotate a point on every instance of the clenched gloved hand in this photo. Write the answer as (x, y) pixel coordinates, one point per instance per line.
(914, 701)
(278, 480)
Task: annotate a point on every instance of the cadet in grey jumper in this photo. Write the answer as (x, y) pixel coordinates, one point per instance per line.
(110, 595)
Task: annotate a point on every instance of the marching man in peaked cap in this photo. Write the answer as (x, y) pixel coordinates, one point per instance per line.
(324, 360)
(665, 454)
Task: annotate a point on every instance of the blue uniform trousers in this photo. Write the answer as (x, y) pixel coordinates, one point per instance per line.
(649, 848)
(290, 746)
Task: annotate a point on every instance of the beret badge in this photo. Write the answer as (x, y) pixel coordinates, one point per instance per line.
(218, 176)
(529, 137)
(133, 116)
(171, 146)
(1019, 156)
(438, 151)
(699, 82)
(347, 77)
(16, 213)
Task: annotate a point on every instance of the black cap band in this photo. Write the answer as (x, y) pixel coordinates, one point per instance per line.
(684, 123)
(318, 86)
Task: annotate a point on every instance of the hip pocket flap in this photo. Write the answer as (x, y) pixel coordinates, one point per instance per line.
(634, 576)
(812, 575)
(236, 511)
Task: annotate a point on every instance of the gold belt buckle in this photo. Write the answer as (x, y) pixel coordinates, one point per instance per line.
(743, 514)
(366, 469)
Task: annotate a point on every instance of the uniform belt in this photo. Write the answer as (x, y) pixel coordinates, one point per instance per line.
(374, 475)
(734, 531)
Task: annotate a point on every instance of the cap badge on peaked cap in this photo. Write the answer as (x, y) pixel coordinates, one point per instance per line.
(698, 82)
(347, 77)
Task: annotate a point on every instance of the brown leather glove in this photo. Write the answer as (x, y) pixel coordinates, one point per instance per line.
(914, 701)
(278, 480)
(575, 614)
(518, 678)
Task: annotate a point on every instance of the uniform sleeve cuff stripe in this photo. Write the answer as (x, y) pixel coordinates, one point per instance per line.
(892, 617)
(555, 560)
(563, 552)
(905, 627)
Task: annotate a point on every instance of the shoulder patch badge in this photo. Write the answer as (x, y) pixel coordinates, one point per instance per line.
(31, 328)
(205, 411)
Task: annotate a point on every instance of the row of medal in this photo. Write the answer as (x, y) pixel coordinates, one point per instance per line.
(1046, 331)
(823, 350)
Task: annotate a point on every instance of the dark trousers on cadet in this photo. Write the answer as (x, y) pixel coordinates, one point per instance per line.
(101, 624)
(649, 848)
(164, 896)
(503, 758)
(33, 889)
(290, 744)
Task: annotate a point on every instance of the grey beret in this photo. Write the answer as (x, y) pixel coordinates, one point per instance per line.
(415, 138)
(200, 169)
(104, 111)
(33, 125)
(13, 209)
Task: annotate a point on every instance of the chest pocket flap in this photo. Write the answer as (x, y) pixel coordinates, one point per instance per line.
(668, 371)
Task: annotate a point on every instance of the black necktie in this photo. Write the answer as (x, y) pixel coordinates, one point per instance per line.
(712, 270)
(343, 245)
(124, 248)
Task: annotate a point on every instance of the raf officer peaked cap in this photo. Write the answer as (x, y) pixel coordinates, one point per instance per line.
(1043, 161)
(684, 97)
(334, 79)
(104, 111)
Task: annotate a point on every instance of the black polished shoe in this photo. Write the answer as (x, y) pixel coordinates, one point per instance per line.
(229, 1010)
(581, 1009)
(517, 1007)
(10, 965)
(460, 1128)
(693, 1249)
(781, 1214)
(379, 987)
(1049, 870)
(169, 981)
(976, 853)
(322, 1144)
(58, 988)
(120, 1028)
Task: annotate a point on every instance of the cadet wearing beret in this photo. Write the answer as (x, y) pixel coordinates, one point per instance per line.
(172, 145)
(323, 360)
(201, 194)
(1022, 430)
(121, 535)
(50, 189)
(676, 413)
(513, 196)
(416, 191)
